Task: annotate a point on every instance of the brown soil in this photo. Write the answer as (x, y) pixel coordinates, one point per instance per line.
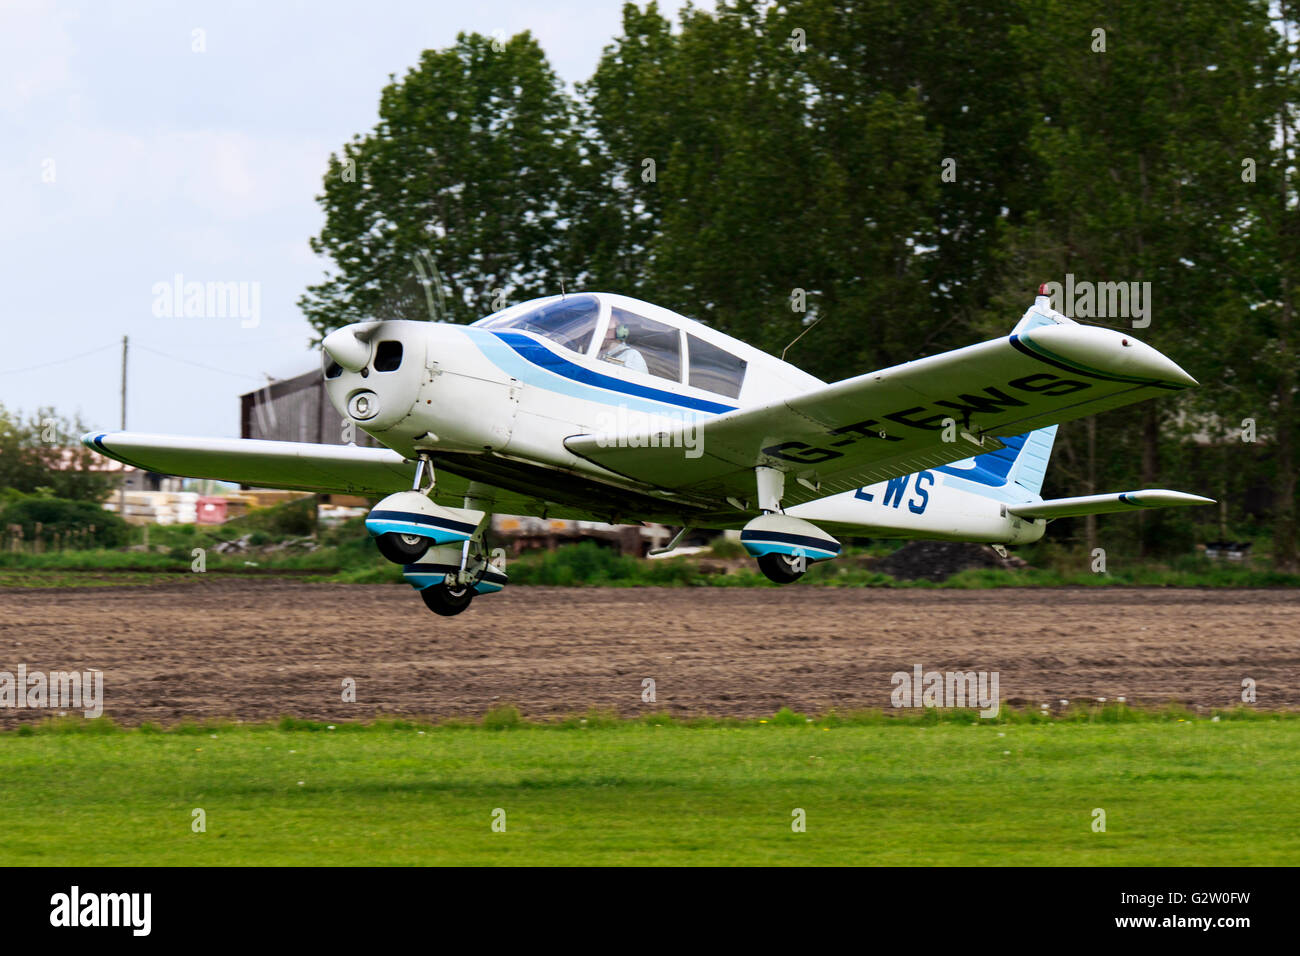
(257, 650)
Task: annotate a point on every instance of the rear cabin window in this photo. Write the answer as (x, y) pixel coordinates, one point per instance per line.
(570, 322)
(714, 369)
(642, 345)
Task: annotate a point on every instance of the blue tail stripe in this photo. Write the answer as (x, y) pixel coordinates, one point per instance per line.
(992, 467)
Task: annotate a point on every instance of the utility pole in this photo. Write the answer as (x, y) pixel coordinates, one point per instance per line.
(121, 491)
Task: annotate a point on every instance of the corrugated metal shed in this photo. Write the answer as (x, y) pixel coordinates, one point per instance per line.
(295, 409)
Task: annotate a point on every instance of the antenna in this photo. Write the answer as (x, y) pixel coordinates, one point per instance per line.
(561, 287)
(808, 328)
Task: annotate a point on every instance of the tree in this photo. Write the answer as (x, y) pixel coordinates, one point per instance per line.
(43, 453)
(452, 204)
(963, 67)
(632, 113)
(767, 191)
(64, 518)
(1143, 112)
(1256, 311)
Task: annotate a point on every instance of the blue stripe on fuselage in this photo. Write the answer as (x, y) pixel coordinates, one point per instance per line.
(525, 358)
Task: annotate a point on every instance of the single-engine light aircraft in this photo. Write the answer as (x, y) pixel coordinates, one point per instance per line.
(601, 407)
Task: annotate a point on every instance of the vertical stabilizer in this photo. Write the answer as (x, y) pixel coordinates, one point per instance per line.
(1023, 462)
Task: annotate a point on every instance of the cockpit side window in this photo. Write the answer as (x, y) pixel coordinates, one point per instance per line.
(570, 321)
(642, 345)
(715, 369)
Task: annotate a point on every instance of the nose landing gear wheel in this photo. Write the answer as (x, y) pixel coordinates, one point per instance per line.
(402, 548)
(781, 568)
(446, 601)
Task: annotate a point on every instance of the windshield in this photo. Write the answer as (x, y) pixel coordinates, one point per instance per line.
(570, 321)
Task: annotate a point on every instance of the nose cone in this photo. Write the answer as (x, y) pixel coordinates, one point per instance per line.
(350, 345)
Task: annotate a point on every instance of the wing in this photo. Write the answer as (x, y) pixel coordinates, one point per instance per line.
(290, 464)
(899, 420)
(1107, 504)
(303, 466)
(298, 466)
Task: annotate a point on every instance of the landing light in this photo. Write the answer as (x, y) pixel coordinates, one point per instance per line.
(363, 405)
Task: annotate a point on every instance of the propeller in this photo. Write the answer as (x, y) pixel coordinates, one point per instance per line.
(350, 345)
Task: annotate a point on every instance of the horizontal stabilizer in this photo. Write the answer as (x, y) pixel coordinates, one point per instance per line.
(1106, 504)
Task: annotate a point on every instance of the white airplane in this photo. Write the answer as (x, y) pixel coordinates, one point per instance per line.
(601, 407)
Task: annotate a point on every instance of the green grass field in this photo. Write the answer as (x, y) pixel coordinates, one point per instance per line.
(348, 556)
(880, 790)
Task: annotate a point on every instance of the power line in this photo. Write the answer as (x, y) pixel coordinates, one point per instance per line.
(210, 368)
(70, 358)
(113, 345)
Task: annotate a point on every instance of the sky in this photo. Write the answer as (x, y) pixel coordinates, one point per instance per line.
(146, 147)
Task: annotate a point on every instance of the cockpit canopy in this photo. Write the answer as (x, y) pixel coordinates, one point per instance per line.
(570, 321)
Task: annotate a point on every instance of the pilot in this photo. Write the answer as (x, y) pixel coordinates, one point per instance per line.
(615, 348)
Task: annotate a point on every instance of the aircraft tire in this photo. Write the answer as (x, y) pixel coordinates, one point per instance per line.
(776, 568)
(445, 602)
(402, 548)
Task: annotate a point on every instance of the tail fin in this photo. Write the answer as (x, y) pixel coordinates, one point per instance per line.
(1031, 464)
(1021, 465)
(1012, 473)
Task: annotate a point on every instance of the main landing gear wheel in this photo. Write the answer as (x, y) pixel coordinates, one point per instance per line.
(782, 568)
(447, 601)
(402, 548)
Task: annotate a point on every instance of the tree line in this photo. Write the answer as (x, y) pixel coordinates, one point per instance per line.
(904, 175)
